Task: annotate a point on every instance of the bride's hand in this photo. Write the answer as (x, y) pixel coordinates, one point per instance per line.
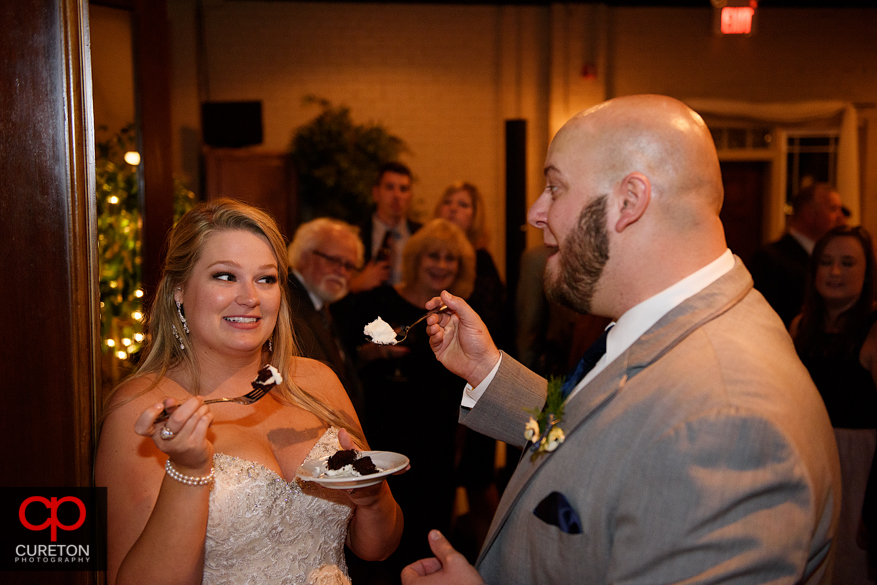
(184, 435)
(364, 496)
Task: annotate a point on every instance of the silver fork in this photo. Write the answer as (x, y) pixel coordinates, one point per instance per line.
(403, 333)
(258, 392)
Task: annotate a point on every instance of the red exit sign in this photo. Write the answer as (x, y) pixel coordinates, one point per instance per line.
(737, 20)
(734, 17)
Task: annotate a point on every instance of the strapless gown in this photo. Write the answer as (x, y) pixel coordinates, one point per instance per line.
(264, 530)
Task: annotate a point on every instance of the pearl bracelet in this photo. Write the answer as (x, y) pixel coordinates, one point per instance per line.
(188, 479)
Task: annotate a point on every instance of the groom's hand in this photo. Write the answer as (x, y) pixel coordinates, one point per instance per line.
(460, 339)
(448, 566)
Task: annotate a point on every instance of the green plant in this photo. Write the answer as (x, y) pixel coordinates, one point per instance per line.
(336, 162)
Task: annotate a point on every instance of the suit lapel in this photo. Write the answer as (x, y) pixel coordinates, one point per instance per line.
(664, 335)
(328, 350)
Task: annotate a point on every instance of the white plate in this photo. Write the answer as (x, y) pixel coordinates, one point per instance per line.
(387, 461)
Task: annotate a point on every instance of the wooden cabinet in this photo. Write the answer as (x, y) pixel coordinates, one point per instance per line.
(261, 178)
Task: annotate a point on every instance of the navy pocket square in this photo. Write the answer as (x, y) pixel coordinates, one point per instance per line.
(556, 510)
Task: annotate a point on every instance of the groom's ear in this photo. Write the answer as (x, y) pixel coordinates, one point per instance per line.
(632, 199)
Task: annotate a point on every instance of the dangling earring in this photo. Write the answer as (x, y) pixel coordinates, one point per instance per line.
(182, 318)
(270, 346)
(177, 335)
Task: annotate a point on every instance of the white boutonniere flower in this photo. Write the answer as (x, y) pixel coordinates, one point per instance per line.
(542, 431)
(554, 439)
(531, 429)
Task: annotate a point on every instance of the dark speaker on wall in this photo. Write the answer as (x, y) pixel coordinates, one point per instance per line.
(231, 124)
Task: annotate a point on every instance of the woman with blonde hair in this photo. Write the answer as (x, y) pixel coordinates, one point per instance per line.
(411, 400)
(210, 494)
(463, 204)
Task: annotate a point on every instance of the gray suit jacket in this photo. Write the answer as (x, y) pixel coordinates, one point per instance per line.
(702, 454)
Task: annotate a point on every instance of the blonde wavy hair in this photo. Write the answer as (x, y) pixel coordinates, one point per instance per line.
(444, 235)
(184, 248)
(477, 230)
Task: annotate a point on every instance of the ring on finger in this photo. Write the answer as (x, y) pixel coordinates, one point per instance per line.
(166, 433)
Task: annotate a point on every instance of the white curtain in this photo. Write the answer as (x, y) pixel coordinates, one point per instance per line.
(776, 113)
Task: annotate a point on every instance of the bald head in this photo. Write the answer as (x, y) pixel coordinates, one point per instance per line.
(663, 139)
(652, 161)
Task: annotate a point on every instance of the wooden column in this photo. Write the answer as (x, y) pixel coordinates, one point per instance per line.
(49, 341)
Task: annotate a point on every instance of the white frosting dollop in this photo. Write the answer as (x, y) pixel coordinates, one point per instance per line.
(275, 378)
(346, 471)
(380, 332)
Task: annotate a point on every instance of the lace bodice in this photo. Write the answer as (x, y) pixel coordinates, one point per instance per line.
(263, 530)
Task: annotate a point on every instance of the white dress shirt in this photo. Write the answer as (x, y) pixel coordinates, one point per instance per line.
(632, 324)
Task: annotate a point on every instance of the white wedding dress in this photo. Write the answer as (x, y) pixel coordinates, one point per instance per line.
(263, 530)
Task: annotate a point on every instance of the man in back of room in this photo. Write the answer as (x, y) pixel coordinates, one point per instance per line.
(323, 254)
(388, 229)
(779, 269)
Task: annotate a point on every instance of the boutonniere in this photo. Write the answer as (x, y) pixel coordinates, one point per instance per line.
(542, 431)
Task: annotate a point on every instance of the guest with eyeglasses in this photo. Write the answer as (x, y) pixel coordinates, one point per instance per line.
(411, 400)
(836, 338)
(323, 255)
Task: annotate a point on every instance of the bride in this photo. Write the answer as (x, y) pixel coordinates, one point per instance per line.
(210, 495)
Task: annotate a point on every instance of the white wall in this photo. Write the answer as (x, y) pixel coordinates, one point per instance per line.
(112, 69)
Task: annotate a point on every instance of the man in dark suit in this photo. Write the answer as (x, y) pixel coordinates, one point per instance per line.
(779, 269)
(388, 229)
(322, 256)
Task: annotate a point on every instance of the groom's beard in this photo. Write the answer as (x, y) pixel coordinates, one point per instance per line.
(581, 260)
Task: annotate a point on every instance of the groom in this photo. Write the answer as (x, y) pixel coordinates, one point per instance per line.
(697, 449)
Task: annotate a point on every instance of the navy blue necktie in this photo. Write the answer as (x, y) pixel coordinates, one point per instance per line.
(589, 359)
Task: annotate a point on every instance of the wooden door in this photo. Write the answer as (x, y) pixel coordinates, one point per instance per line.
(743, 210)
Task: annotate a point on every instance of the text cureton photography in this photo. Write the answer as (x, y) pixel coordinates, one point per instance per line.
(54, 529)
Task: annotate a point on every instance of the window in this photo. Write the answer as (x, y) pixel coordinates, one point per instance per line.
(740, 138)
(811, 157)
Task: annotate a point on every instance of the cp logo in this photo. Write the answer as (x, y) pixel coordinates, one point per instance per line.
(52, 505)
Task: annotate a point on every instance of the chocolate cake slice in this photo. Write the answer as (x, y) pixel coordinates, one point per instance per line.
(365, 466)
(361, 465)
(267, 377)
(341, 458)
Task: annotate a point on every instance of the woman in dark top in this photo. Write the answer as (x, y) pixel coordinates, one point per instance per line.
(836, 339)
(411, 401)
